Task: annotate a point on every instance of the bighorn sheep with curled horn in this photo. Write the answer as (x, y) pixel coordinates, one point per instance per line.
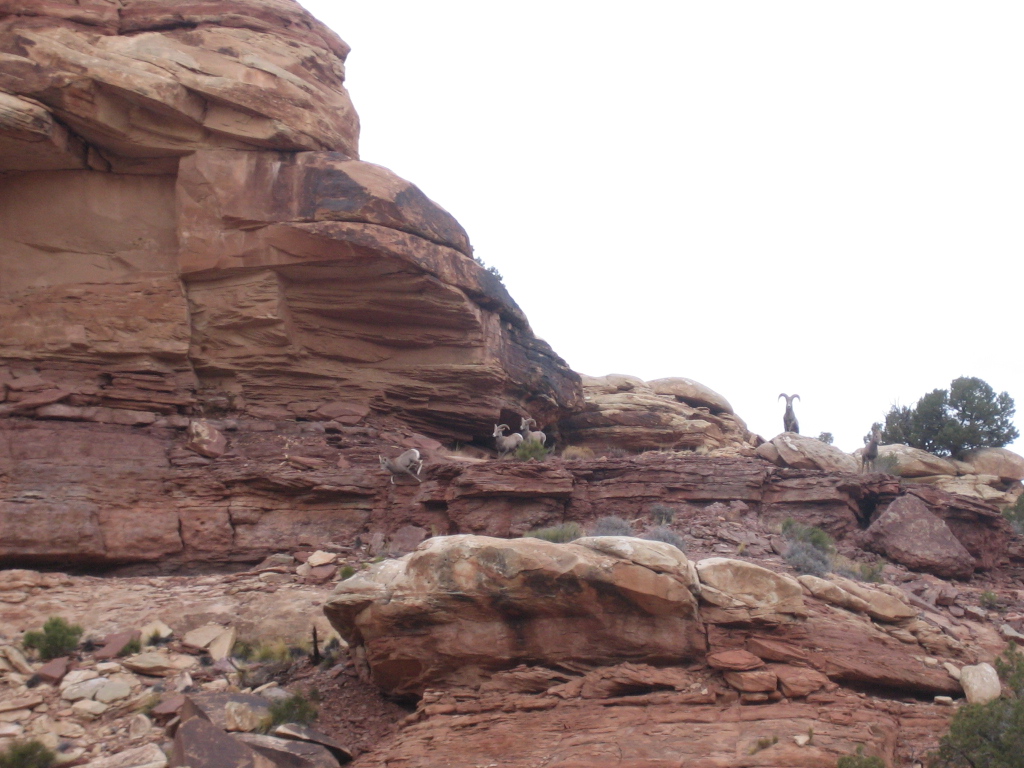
(867, 459)
(506, 443)
(789, 421)
(528, 436)
(404, 465)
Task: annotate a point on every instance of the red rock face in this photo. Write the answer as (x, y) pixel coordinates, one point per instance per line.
(183, 204)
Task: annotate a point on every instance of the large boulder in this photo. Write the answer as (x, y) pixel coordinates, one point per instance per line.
(738, 591)
(462, 606)
(801, 452)
(904, 461)
(669, 414)
(1004, 464)
(909, 533)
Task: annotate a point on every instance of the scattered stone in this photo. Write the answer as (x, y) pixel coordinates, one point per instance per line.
(206, 440)
(240, 716)
(149, 756)
(801, 739)
(114, 645)
(198, 743)
(980, 683)
(755, 681)
(221, 646)
(155, 630)
(168, 707)
(159, 663)
(15, 716)
(113, 690)
(21, 702)
(86, 689)
(289, 752)
(302, 733)
(1009, 633)
(736, 661)
(139, 726)
(944, 701)
(201, 638)
(321, 558)
(89, 709)
(10, 731)
(76, 676)
(952, 669)
(16, 659)
(321, 574)
(975, 613)
(213, 706)
(795, 682)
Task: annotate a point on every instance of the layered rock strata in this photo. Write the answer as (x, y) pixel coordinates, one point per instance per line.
(761, 658)
(87, 493)
(185, 227)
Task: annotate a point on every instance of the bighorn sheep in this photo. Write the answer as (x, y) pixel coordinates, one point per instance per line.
(409, 463)
(506, 443)
(528, 436)
(867, 459)
(789, 421)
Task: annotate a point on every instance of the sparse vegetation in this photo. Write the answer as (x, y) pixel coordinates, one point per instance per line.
(808, 559)
(611, 525)
(559, 534)
(763, 743)
(808, 534)
(662, 514)
(531, 450)
(667, 535)
(950, 422)
(133, 647)
(27, 754)
(826, 438)
(860, 760)
(347, 572)
(990, 600)
(297, 709)
(989, 735)
(58, 638)
(577, 452)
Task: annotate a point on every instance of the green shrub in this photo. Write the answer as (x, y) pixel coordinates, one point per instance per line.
(611, 525)
(58, 638)
(763, 743)
(559, 534)
(950, 422)
(666, 535)
(347, 572)
(531, 449)
(826, 438)
(860, 760)
(663, 514)
(990, 600)
(872, 571)
(297, 709)
(807, 559)
(133, 647)
(809, 534)
(27, 754)
(989, 735)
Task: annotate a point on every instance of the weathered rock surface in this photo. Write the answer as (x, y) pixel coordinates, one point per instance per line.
(910, 534)
(460, 606)
(672, 414)
(1001, 462)
(801, 452)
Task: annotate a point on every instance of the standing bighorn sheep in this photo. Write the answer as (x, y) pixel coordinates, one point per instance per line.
(506, 443)
(789, 421)
(528, 436)
(867, 459)
(404, 465)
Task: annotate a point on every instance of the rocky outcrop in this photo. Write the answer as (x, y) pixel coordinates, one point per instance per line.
(910, 534)
(778, 662)
(792, 450)
(186, 228)
(627, 413)
(462, 606)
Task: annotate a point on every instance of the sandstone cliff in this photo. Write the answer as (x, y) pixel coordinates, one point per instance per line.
(185, 227)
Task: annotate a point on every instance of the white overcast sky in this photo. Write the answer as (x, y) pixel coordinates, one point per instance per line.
(813, 197)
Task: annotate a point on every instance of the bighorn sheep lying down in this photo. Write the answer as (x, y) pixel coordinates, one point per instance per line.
(531, 437)
(409, 463)
(867, 459)
(505, 443)
(789, 421)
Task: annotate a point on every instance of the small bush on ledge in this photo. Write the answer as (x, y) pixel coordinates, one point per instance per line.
(611, 525)
(27, 754)
(559, 534)
(531, 450)
(58, 638)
